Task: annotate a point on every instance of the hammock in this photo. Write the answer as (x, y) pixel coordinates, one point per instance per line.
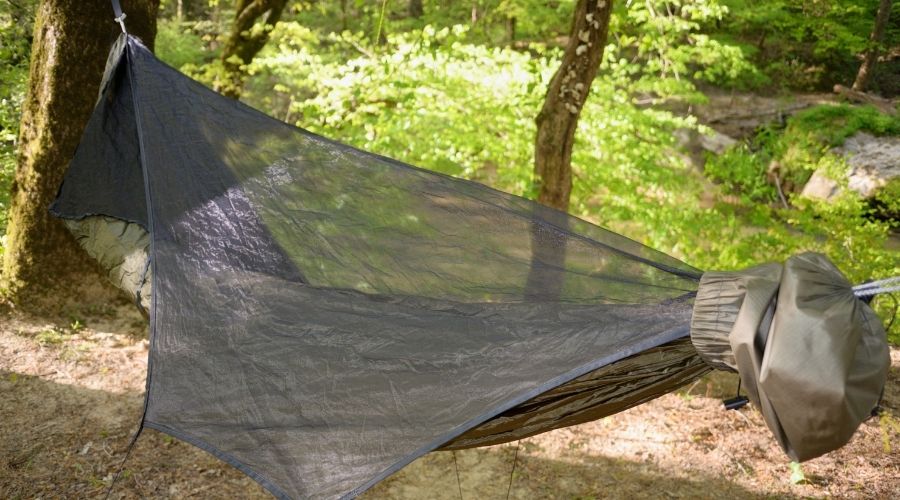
(321, 316)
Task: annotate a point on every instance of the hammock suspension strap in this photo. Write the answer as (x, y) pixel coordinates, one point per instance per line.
(886, 285)
(120, 16)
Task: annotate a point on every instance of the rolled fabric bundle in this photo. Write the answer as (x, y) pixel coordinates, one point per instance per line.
(122, 250)
(813, 357)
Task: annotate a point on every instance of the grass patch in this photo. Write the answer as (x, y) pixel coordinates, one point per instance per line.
(833, 124)
(50, 337)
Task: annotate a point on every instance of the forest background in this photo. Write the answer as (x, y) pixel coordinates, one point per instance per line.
(704, 124)
(724, 132)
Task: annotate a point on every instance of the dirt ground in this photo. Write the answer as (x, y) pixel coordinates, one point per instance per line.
(71, 395)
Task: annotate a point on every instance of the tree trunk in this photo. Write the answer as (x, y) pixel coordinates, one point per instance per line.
(511, 29)
(416, 9)
(875, 40)
(71, 42)
(245, 42)
(558, 118)
(886, 106)
(556, 125)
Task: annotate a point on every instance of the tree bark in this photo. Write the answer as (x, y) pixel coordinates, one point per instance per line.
(569, 88)
(556, 125)
(246, 40)
(875, 40)
(71, 42)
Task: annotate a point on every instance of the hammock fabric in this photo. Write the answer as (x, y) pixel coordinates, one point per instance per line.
(321, 316)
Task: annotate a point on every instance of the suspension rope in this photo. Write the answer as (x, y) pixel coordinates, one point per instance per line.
(886, 285)
(120, 16)
(513, 471)
(886, 281)
(458, 484)
(893, 316)
(124, 459)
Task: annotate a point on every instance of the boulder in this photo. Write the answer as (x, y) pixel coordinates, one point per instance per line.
(695, 145)
(873, 162)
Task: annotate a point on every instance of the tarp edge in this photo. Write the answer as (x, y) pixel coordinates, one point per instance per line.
(269, 485)
(649, 343)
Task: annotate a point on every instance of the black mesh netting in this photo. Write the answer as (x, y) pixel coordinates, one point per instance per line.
(322, 316)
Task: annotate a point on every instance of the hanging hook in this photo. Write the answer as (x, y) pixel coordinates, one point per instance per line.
(121, 21)
(120, 16)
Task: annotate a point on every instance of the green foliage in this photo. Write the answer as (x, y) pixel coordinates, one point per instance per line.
(804, 144)
(742, 171)
(179, 45)
(190, 9)
(443, 99)
(854, 233)
(669, 45)
(535, 19)
(50, 336)
(831, 125)
(887, 200)
(796, 150)
(456, 91)
(415, 102)
(805, 44)
(489, 20)
(15, 47)
(797, 475)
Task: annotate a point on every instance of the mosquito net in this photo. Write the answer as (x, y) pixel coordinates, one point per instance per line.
(321, 316)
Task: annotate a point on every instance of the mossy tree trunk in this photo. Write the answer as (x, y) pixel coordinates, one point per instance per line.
(71, 42)
(569, 88)
(248, 36)
(875, 41)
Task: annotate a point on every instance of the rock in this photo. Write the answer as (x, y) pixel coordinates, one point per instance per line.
(716, 143)
(740, 115)
(695, 145)
(820, 186)
(873, 162)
